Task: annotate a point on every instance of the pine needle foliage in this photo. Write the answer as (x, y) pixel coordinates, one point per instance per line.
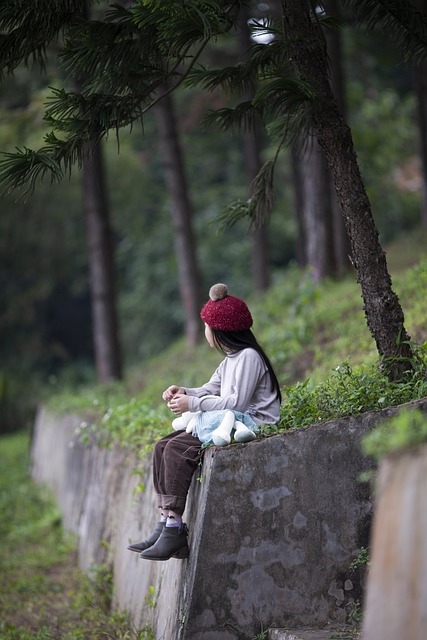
(122, 64)
(125, 62)
(398, 19)
(258, 207)
(25, 167)
(26, 28)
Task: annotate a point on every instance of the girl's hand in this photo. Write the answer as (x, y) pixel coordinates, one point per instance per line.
(179, 403)
(171, 391)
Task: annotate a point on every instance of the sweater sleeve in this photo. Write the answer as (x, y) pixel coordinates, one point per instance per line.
(240, 379)
(212, 387)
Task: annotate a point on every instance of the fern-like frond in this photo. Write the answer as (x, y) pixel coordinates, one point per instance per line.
(27, 27)
(234, 79)
(398, 19)
(181, 25)
(230, 215)
(110, 59)
(290, 127)
(262, 199)
(25, 167)
(243, 117)
(84, 116)
(22, 169)
(257, 208)
(283, 95)
(263, 57)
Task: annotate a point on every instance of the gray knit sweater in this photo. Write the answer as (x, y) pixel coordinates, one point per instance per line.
(241, 382)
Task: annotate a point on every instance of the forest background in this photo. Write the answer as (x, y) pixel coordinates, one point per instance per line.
(293, 271)
(45, 309)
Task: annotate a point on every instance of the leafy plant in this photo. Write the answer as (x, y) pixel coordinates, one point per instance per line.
(361, 560)
(356, 614)
(347, 392)
(405, 430)
(42, 594)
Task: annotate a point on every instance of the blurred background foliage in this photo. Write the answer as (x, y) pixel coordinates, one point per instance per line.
(45, 315)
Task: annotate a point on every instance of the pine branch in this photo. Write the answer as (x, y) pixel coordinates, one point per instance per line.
(259, 206)
(28, 26)
(399, 20)
(262, 199)
(283, 95)
(183, 24)
(82, 115)
(242, 118)
(236, 79)
(25, 167)
(231, 215)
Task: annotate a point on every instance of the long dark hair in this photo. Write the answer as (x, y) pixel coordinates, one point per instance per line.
(226, 341)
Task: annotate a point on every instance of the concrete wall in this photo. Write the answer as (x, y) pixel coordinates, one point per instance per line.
(396, 594)
(274, 525)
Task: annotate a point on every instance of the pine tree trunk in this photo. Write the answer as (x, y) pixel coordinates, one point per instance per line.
(252, 145)
(181, 211)
(300, 248)
(334, 47)
(421, 91)
(101, 267)
(316, 210)
(382, 308)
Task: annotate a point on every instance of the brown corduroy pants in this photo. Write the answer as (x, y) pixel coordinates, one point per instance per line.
(175, 459)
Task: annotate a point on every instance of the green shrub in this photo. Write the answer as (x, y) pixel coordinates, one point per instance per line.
(348, 392)
(405, 430)
(42, 594)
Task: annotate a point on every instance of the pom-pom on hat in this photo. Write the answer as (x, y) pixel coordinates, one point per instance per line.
(224, 312)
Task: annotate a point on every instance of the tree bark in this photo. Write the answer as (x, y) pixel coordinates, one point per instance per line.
(383, 312)
(252, 146)
(421, 91)
(337, 81)
(101, 267)
(316, 209)
(181, 211)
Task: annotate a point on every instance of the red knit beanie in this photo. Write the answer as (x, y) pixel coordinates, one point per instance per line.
(224, 312)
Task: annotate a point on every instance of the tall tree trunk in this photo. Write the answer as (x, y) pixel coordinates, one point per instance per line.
(334, 47)
(101, 269)
(382, 308)
(252, 145)
(421, 91)
(260, 244)
(300, 248)
(316, 209)
(181, 210)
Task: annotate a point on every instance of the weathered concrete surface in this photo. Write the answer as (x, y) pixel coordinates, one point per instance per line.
(274, 526)
(311, 634)
(396, 602)
(284, 519)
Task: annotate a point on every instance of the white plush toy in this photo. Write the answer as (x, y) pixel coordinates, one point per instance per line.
(185, 421)
(221, 436)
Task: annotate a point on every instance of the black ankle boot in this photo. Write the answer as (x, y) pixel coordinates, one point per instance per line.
(171, 544)
(146, 544)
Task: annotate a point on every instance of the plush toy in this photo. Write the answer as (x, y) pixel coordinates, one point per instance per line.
(221, 436)
(186, 421)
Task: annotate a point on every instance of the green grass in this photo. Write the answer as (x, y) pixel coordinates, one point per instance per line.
(317, 338)
(42, 594)
(404, 431)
